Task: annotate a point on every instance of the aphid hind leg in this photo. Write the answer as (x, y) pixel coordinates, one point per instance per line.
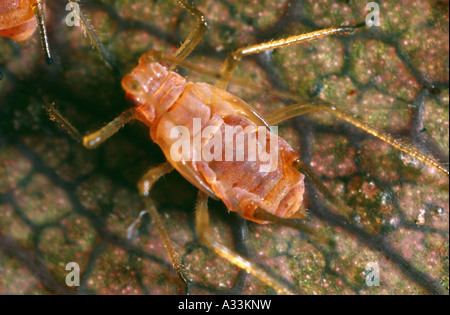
(206, 237)
(196, 34)
(235, 57)
(145, 185)
(322, 106)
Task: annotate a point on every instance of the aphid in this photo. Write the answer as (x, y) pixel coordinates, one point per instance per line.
(152, 110)
(19, 20)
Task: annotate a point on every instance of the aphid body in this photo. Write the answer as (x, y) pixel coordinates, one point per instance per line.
(164, 100)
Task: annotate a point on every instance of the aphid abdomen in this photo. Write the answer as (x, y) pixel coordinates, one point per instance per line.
(244, 187)
(196, 117)
(17, 20)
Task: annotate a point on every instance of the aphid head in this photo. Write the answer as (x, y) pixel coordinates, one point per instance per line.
(144, 80)
(150, 57)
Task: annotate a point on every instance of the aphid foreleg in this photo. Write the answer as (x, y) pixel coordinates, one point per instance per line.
(235, 57)
(322, 106)
(96, 138)
(206, 237)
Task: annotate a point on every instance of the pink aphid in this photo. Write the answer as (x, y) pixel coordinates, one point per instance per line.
(164, 101)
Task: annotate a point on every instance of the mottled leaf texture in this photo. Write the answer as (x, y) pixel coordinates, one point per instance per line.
(62, 203)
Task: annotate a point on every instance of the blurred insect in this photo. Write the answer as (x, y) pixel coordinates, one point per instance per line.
(19, 20)
(163, 99)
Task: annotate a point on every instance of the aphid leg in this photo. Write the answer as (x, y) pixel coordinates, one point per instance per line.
(235, 57)
(96, 138)
(38, 9)
(149, 178)
(206, 237)
(197, 33)
(145, 186)
(318, 105)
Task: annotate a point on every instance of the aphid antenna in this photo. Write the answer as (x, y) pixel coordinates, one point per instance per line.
(55, 115)
(95, 41)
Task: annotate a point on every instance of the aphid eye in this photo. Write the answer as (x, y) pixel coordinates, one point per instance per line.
(150, 56)
(131, 85)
